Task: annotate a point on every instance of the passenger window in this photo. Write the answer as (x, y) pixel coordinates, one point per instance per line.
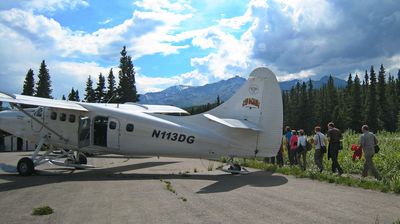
(129, 127)
(112, 125)
(53, 115)
(63, 117)
(72, 118)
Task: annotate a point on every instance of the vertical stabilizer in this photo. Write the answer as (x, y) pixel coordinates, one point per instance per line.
(258, 101)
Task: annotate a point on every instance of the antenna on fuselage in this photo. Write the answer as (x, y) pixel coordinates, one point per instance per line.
(111, 98)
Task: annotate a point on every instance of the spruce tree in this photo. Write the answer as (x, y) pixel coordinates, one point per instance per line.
(372, 110)
(126, 88)
(71, 95)
(90, 95)
(364, 94)
(99, 92)
(392, 103)
(77, 98)
(29, 84)
(331, 100)
(63, 97)
(218, 100)
(398, 122)
(43, 86)
(384, 114)
(356, 107)
(310, 108)
(397, 110)
(111, 92)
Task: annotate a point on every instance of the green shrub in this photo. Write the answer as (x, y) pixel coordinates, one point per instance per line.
(44, 210)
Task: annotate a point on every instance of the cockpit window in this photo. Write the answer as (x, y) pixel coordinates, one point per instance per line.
(53, 115)
(63, 117)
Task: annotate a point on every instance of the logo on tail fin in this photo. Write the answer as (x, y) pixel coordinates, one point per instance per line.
(253, 89)
(251, 102)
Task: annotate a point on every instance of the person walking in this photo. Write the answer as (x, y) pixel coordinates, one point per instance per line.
(334, 136)
(293, 147)
(279, 156)
(288, 136)
(320, 148)
(302, 149)
(368, 141)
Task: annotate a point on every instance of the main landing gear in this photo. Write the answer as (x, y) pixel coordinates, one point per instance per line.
(234, 168)
(26, 166)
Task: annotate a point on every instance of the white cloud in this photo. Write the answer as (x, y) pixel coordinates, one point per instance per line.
(163, 5)
(53, 5)
(155, 84)
(107, 21)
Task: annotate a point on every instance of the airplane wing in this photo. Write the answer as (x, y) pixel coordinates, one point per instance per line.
(151, 109)
(233, 123)
(38, 101)
(71, 105)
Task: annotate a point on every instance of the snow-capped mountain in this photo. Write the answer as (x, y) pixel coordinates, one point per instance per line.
(186, 96)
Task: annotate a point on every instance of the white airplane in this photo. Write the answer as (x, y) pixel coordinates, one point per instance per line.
(249, 124)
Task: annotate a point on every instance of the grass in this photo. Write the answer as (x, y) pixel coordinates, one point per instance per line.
(170, 188)
(210, 167)
(44, 210)
(387, 162)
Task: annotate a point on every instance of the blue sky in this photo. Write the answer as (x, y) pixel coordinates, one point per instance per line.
(194, 42)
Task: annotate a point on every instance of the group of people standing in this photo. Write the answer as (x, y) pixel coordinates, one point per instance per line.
(297, 145)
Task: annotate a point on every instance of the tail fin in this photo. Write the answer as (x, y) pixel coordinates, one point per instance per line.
(258, 102)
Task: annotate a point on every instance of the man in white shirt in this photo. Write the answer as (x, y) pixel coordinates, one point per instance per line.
(367, 143)
(319, 142)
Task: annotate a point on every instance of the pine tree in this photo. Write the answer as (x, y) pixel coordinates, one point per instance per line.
(356, 107)
(303, 105)
(310, 108)
(90, 95)
(111, 92)
(384, 114)
(348, 102)
(392, 103)
(218, 100)
(71, 95)
(126, 89)
(332, 101)
(372, 110)
(364, 94)
(77, 98)
(99, 92)
(398, 122)
(29, 84)
(43, 86)
(63, 97)
(397, 109)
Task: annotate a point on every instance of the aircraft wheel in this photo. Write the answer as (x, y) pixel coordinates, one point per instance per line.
(82, 158)
(235, 167)
(25, 167)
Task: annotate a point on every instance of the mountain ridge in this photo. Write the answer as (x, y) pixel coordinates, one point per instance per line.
(187, 96)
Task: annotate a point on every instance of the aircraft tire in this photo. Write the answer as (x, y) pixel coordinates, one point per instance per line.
(25, 167)
(82, 158)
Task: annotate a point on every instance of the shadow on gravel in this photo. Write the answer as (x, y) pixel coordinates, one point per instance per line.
(223, 182)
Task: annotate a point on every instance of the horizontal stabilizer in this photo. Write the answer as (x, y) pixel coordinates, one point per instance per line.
(38, 101)
(233, 123)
